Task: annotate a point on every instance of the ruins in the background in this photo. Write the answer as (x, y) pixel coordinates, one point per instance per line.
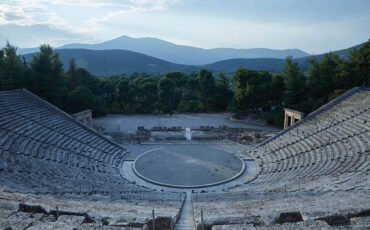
(291, 117)
(84, 117)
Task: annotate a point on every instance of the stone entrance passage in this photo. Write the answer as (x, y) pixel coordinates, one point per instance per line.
(291, 117)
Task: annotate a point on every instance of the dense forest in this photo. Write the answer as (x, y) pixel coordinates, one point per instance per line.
(247, 91)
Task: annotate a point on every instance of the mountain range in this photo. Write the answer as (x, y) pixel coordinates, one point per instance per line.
(107, 58)
(271, 64)
(116, 62)
(180, 54)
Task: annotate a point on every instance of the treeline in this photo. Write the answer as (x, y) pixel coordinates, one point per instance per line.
(76, 89)
(247, 91)
(260, 91)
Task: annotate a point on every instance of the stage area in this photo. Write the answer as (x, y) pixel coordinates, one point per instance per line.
(188, 165)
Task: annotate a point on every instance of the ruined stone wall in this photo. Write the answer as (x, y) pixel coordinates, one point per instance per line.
(84, 117)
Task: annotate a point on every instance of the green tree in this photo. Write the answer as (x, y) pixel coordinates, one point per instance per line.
(252, 89)
(360, 62)
(223, 93)
(170, 91)
(82, 98)
(166, 94)
(12, 69)
(277, 89)
(107, 86)
(71, 75)
(80, 76)
(348, 76)
(321, 76)
(295, 86)
(47, 76)
(190, 101)
(206, 90)
(124, 99)
(242, 90)
(145, 93)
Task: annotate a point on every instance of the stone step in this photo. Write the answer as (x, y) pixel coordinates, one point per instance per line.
(186, 220)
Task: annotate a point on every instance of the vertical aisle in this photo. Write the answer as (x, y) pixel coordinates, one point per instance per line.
(186, 221)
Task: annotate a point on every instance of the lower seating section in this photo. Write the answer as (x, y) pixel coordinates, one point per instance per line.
(42, 177)
(308, 225)
(21, 211)
(284, 212)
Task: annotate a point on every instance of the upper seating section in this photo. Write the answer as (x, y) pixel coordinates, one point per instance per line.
(332, 140)
(45, 151)
(30, 126)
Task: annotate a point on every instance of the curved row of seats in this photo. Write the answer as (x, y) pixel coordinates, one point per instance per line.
(45, 151)
(309, 169)
(27, 121)
(48, 158)
(332, 142)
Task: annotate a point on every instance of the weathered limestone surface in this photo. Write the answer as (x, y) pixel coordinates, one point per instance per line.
(49, 160)
(310, 206)
(84, 117)
(56, 173)
(330, 141)
(291, 117)
(363, 222)
(318, 167)
(288, 226)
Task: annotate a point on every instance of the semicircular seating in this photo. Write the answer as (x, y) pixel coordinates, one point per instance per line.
(47, 155)
(315, 168)
(316, 171)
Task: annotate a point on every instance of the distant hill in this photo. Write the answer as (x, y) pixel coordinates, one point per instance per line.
(179, 53)
(229, 66)
(258, 53)
(344, 53)
(271, 64)
(109, 62)
(28, 50)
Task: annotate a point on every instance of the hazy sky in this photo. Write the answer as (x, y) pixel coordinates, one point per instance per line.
(314, 26)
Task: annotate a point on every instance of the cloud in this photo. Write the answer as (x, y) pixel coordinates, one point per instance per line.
(154, 4)
(148, 4)
(67, 18)
(205, 23)
(83, 16)
(32, 12)
(12, 17)
(34, 35)
(25, 12)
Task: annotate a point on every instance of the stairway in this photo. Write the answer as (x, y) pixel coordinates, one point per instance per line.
(186, 220)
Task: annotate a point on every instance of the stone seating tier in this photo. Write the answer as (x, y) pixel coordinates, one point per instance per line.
(45, 151)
